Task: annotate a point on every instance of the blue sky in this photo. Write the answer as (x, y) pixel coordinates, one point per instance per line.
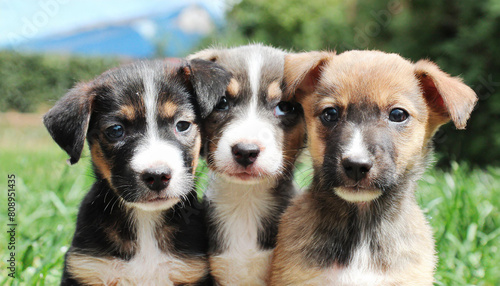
(22, 20)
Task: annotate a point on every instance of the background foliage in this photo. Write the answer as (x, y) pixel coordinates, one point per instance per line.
(27, 81)
(462, 37)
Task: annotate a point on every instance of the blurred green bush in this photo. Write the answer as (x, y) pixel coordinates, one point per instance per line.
(30, 80)
(462, 37)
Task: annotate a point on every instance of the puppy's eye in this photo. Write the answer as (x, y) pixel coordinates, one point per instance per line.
(283, 108)
(398, 115)
(330, 115)
(115, 132)
(223, 104)
(182, 126)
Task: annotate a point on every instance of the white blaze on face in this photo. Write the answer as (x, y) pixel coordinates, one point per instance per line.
(153, 152)
(357, 149)
(251, 128)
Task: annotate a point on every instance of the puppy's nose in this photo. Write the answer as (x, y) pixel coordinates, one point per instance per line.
(356, 168)
(245, 154)
(156, 179)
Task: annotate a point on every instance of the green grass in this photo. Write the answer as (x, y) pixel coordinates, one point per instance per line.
(462, 205)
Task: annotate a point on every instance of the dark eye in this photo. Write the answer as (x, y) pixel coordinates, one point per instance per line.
(283, 108)
(115, 132)
(223, 104)
(330, 115)
(398, 115)
(182, 126)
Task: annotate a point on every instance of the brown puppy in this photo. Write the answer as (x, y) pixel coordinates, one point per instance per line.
(370, 118)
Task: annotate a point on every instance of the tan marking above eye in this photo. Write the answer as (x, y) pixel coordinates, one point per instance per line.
(274, 91)
(233, 88)
(129, 111)
(168, 109)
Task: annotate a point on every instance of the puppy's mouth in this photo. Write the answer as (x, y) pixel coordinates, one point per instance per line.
(156, 202)
(157, 199)
(247, 175)
(357, 194)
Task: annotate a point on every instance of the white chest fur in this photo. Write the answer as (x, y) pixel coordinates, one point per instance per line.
(149, 266)
(238, 212)
(359, 272)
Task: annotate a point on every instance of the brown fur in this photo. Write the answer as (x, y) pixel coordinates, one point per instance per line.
(128, 111)
(274, 91)
(168, 109)
(404, 252)
(233, 88)
(102, 164)
(294, 142)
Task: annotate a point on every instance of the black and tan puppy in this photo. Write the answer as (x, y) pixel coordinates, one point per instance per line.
(253, 138)
(141, 125)
(370, 118)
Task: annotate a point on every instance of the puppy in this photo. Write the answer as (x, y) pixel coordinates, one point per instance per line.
(370, 118)
(138, 225)
(252, 138)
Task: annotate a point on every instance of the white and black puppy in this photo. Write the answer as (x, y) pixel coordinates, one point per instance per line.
(141, 124)
(252, 139)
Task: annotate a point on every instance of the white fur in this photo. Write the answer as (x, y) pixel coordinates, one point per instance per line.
(238, 212)
(155, 206)
(157, 153)
(356, 196)
(150, 101)
(239, 209)
(359, 272)
(356, 147)
(250, 130)
(254, 65)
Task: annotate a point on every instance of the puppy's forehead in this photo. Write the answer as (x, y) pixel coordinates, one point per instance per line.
(368, 77)
(133, 89)
(257, 71)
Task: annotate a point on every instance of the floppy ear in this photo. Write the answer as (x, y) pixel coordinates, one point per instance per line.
(208, 55)
(448, 97)
(302, 72)
(68, 121)
(209, 81)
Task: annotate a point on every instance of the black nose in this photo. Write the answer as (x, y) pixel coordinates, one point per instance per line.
(245, 154)
(356, 168)
(156, 179)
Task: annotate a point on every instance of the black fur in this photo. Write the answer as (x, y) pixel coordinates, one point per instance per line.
(282, 198)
